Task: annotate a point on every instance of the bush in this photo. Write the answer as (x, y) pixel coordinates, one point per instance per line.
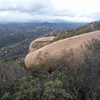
(28, 88)
(83, 76)
(54, 90)
(9, 73)
(6, 96)
(89, 71)
(72, 79)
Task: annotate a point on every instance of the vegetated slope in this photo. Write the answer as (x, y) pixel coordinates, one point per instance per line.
(93, 26)
(78, 82)
(14, 41)
(15, 37)
(55, 50)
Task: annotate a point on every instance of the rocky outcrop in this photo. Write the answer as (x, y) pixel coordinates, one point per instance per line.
(38, 43)
(55, 50)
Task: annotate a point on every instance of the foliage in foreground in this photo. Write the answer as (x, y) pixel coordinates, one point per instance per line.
(78, 82)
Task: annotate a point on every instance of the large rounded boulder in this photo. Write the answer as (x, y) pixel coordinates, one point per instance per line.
(38, 43)
(45, 55)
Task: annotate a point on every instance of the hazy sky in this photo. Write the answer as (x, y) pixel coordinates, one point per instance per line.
(46, 10)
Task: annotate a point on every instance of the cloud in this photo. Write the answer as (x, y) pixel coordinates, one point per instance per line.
(45, 10)
(25, 5)
(95, 15)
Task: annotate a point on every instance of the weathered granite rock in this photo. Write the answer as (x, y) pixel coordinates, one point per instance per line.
(44, 55)
(38, 43)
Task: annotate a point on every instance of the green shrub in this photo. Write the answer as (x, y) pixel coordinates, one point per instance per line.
(56, 89)
(28, 88)
(6, 96)
(72, 79)
(9, 73)
(89, 71)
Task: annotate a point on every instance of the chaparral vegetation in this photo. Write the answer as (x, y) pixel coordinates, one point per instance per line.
(71, 80)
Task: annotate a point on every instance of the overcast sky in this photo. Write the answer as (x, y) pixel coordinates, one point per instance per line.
(47, 10)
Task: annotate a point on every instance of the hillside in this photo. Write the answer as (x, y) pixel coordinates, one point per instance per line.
(71, 79)
(15, 37)
(93, 26)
